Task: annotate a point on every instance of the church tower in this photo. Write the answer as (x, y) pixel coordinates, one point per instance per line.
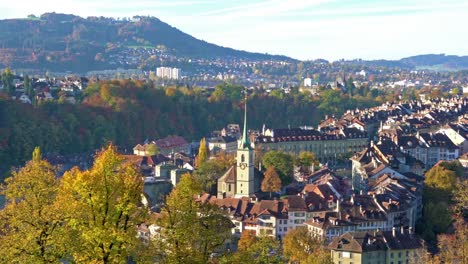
(245, 163)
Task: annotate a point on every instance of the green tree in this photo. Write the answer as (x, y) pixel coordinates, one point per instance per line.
(7, 79)
(208, 172)
(283, 163)
(350, 86)
(226, 91)
(190, 230)
(306, 159)
(102, 207)
(271, 182)
(441, 181)
(31, 222)
(461, 198)
(152, 149)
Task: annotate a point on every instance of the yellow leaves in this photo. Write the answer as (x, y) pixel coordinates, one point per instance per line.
(102, 207)
(89, 215)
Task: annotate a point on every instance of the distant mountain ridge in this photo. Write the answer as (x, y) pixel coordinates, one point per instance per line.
(60, 41)
(437, 62)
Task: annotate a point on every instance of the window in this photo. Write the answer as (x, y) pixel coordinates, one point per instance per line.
(391, 256)
(399, 254)
(242, 158)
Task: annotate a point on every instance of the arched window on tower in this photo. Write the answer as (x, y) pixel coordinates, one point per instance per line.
(242, 158)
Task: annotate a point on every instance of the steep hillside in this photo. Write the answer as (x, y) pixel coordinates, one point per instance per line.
(67, 42)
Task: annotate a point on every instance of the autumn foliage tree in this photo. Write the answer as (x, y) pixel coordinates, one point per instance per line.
(203, 155)
(300, 247)
(271, 182)
(31, 222)
(102, 207)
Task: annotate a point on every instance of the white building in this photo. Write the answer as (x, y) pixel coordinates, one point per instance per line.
(168, 73)
(307, 82)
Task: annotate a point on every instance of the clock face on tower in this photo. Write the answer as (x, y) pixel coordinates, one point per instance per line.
(242, 166)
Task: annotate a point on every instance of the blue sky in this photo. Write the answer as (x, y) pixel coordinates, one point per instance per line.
(302, 29)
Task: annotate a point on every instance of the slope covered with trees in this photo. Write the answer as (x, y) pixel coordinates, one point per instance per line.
(63, 42)
(128, 112)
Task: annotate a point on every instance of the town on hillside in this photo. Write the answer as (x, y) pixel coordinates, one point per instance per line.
(363, 198)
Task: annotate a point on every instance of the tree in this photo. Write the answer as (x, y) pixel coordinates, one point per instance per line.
(246, 241)
(31, 222)
(208, 172)
(271, 182)
(190, 230)
(461, 198)
(257, 250)
(152, 149)
(227, 91)
(37, 155)
(299, 246)
(454, 247)
(306, 159)
(102, 205)
(7, 79)
(202, 153)
(440, 182)
(283, 163)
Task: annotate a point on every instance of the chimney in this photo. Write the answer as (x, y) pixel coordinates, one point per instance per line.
(394, 231)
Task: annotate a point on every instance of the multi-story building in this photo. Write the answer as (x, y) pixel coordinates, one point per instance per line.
(225, 144)
(383, 247)
(326, 146)
(168, 73)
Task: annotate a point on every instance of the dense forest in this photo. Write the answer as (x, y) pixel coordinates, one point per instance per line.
(128, 112)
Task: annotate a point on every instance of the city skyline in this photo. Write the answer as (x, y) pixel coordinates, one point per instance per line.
(303, 30)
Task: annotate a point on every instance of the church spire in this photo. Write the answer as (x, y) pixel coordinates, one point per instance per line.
(245, 142)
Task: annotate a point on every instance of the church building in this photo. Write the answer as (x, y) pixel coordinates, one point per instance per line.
(242, 179)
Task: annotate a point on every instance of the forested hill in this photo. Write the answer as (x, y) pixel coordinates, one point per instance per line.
(127, 112)
(66, 42)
